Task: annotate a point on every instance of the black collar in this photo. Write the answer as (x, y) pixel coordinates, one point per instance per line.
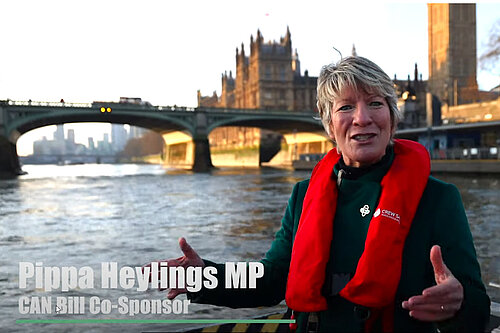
(353, 173)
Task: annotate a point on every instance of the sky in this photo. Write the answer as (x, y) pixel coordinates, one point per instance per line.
(164, 51)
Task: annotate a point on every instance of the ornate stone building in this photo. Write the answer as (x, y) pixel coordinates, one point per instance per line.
(452, 71)
(412, 100)
(269, 78)
(452, 52)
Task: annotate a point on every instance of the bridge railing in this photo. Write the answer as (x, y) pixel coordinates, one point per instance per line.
(474, 153)
(481, 153)
(96, 104)
(174, 108)
(288, 112)
(38, 103)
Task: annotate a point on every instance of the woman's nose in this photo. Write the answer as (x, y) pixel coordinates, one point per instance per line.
(362, 116)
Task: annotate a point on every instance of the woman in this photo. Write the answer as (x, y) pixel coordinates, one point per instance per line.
(371, 242)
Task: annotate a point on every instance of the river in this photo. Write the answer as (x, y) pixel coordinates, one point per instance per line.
(83, 215)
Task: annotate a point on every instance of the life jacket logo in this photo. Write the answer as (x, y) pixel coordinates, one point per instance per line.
(387, 213)
(365, 210)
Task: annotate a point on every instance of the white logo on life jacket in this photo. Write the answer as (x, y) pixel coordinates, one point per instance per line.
(387, 213)
(365, 210)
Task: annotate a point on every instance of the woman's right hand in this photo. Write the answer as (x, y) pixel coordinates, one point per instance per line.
(190, 258)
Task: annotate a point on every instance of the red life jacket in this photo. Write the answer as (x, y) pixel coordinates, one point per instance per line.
(378, 271)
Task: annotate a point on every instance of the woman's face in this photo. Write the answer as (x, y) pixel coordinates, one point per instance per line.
(361, 126)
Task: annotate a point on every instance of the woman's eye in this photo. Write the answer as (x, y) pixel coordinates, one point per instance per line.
(376, 103)
(345, 108)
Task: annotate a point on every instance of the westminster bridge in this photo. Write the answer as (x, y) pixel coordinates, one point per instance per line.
(19, 117)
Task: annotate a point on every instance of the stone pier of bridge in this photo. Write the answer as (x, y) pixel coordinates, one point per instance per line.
(202, 158)
(189, 148)
(9, 161)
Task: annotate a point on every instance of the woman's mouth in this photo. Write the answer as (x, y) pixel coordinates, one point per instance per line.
(362, 137)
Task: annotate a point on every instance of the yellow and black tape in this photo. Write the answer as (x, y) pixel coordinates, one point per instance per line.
(249, 327)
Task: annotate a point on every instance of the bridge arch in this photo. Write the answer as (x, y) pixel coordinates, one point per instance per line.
(282, 123)
(294, 127)
(156, 122)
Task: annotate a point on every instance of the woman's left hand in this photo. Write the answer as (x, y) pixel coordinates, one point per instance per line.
(441, 301)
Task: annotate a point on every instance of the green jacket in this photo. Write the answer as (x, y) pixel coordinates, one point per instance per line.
(440, 219)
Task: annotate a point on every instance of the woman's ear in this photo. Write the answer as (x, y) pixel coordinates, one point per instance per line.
(331, 134)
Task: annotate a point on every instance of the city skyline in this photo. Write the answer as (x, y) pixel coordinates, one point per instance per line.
(117, 137)
(165, 52)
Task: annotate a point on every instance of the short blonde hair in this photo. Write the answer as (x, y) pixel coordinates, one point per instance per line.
(357, 73)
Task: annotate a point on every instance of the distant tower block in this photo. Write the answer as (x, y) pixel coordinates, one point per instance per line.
(452, 52)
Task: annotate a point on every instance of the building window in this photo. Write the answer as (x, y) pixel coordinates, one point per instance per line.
(282, 73)
(267, 73)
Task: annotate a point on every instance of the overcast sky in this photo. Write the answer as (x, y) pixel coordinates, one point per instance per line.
(164, 51)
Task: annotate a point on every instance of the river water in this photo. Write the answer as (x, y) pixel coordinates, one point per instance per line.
(83, 215)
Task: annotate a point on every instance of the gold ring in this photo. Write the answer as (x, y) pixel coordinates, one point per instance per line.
(442, 307)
